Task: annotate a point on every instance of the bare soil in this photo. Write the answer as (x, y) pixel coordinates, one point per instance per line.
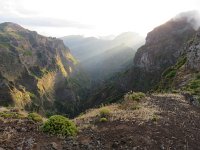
(175, 125)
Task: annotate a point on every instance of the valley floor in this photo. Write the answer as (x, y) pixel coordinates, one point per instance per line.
(161, 121)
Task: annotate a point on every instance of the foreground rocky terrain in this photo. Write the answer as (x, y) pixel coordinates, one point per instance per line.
(160, 121)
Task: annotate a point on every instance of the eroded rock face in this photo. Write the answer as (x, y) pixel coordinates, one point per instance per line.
(33, 66)
(193, 53)
(163, 44)
(162, 49)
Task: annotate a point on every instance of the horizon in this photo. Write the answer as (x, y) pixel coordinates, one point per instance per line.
(92, 17)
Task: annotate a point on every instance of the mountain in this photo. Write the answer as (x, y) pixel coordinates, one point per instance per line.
(40, 74)
(103, 58)
(161, 50)
(84, 48)
(165, 50)
(35, 71)
(184, 76)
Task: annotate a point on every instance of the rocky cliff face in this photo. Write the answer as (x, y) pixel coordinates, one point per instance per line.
(34, 70)
(184, 76)
(193, 53)
(161, 50)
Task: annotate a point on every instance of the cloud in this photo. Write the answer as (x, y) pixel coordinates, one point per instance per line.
(12, 11)
(43, 22)
(192, 17)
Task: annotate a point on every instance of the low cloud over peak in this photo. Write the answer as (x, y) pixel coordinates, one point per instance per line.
(192, 17)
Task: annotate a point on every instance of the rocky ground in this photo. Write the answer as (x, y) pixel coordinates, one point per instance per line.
(160, 122)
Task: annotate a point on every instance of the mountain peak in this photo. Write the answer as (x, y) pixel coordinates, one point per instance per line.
(10, 26)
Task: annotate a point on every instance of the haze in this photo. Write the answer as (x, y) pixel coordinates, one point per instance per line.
(59, 18)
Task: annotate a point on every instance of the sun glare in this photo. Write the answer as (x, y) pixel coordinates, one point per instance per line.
(93, 17)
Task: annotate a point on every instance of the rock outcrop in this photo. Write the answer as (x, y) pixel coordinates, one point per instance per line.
(34, 70)
(162, 49)
(193, 53)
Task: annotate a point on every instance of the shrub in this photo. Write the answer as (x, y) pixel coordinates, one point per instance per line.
(35, 117)
(194, 86)
(171, 74)
(6, 114)
(103, 119)
(13, 115)
(59, 125)
(135, 96)
(104, 112)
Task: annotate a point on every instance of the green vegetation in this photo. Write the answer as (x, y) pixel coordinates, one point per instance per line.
(13, 115)
(103, 119)
(154, 118)
(169, 75)
(104, 112)
(69, 56)
(35, 117)
(61, 66)
(167, 72)
(27, 53)
(134, 96)
(21, 98)
(59, 125)
(132, 100)
(32, 95)
(181, 61)
(193, 87)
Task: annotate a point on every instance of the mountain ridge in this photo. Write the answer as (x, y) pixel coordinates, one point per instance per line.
(33, 69)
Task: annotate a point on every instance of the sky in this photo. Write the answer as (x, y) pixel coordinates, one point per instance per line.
(59, 18)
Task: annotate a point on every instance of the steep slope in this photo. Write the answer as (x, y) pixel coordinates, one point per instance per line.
(164, 48)
(184, 75)
(161, 50)
(34, 70)
(112, 61)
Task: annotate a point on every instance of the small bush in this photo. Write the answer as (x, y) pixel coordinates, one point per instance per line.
(135, 96)
(14, 115)
(35, 117)
(104, 112)
(103, 120)
(59, 125)
(6, 115)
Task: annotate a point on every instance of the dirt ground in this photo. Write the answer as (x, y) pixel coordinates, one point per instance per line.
(173, 125)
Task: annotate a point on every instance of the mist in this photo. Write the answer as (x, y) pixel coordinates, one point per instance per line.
(101, 57)
(192, 17)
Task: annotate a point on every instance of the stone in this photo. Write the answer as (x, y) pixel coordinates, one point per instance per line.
(54, 145)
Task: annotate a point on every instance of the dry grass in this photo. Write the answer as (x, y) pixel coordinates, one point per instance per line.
(121, 112)
(13, 110)
(3, 109)
(168, 95)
